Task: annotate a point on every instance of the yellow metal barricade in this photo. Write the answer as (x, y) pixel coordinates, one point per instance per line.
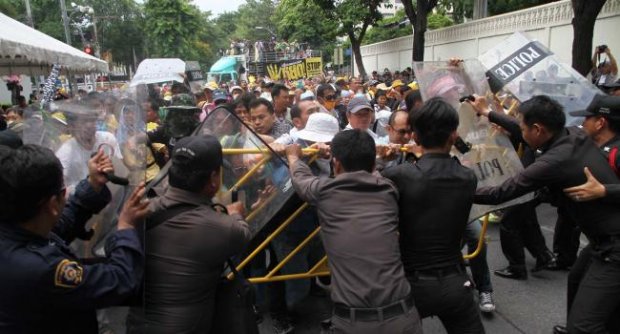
(321, 267)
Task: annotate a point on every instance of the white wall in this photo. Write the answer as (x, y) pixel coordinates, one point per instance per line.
(550, 24)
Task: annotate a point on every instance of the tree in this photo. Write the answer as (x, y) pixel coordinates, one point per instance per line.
(252, 14)
(388, 28)
(353, 18)
(171, 28)
(586, 12)
(418, 17)
(304, 21)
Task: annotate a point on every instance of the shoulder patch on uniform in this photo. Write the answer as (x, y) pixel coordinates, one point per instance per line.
(68, 274)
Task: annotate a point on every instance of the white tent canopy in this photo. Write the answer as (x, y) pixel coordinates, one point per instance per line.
(24, 50)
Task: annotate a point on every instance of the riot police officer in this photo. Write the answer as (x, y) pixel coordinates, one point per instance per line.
(44, 287)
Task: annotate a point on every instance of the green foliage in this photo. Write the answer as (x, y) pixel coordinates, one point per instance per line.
(462, 9)
(252, 14)
(171, 28)
(388, 28)
(304, 21)
(436, 21)
(8, 8)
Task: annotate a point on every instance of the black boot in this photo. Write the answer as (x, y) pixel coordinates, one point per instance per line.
(512, 273)
(546, 261)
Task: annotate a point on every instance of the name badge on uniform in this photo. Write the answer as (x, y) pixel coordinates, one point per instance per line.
(68, 274)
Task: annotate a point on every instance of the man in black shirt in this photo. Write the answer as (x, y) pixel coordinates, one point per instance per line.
(436, 195)
(565, 154)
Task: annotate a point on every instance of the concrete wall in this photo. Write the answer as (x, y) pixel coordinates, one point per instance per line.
(550, 24)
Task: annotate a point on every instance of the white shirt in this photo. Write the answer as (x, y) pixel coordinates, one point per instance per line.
(372, 134)
(74, 158)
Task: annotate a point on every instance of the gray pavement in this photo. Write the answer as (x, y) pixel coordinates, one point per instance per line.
(532, 306)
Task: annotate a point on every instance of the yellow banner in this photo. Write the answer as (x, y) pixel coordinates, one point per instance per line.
(296, 69)
(314, 66)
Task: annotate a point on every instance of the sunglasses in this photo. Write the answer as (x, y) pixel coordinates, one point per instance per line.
(330, 98)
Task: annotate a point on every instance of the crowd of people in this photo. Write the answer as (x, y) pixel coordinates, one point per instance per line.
(383, 159)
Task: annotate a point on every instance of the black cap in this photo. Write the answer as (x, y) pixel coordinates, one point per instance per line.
(10, 138)
(198, 153)
(601, 105)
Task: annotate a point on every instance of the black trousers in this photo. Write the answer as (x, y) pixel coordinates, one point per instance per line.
(593, 291)
(451, 299)
(566, 239)
(520, 229)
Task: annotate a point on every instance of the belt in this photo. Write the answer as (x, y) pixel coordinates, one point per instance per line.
(374, 314)
(434, 274)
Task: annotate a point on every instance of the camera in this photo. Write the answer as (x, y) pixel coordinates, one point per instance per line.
(601, 48)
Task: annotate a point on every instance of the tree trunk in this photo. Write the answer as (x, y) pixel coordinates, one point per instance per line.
(419, 30)
(357, 53)
(586, 12)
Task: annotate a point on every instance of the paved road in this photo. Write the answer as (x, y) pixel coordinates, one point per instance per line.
(532, 306)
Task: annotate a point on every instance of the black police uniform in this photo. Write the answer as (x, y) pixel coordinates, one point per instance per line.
(519, 227)
(561, 166)
(45, 289)
(436, 195)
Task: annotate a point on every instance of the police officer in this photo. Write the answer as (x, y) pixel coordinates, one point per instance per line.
(430, 230)
(519, 225)
(565, 153)
(188, 242)
(602, 124)
(358, 214)
(44, 287)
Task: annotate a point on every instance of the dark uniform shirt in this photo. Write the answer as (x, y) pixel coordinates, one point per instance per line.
(45, 289)
(561, 166)
(185, 257)
(358, 213)
(612, 190)
(436, 195)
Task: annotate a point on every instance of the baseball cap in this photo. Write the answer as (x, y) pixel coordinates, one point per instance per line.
(321, 128)
(220, 95)
(211, 85)
(358, 103)
(232, 89)
(202, 152)
(601, 105)
(10, 139)
(397, 83)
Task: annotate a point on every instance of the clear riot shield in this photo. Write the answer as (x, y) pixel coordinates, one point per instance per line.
(76, 130)
(527, 68)
(251, 173)
(489, 152)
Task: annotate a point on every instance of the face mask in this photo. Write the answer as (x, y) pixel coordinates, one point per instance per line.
(235, 96)
(329, 105)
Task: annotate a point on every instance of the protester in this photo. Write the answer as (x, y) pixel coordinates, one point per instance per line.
(436, 195)
(45, 287)
(74, 153)
(189, 242)
(279, 96)
(359, 115)
(369, 289)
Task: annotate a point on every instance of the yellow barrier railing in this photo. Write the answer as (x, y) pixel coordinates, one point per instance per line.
(320, 268)
(481, 240)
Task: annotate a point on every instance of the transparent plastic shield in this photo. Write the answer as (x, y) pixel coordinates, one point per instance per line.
(260, 180)
(76, 130)
(527, 68)
(491, 156)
